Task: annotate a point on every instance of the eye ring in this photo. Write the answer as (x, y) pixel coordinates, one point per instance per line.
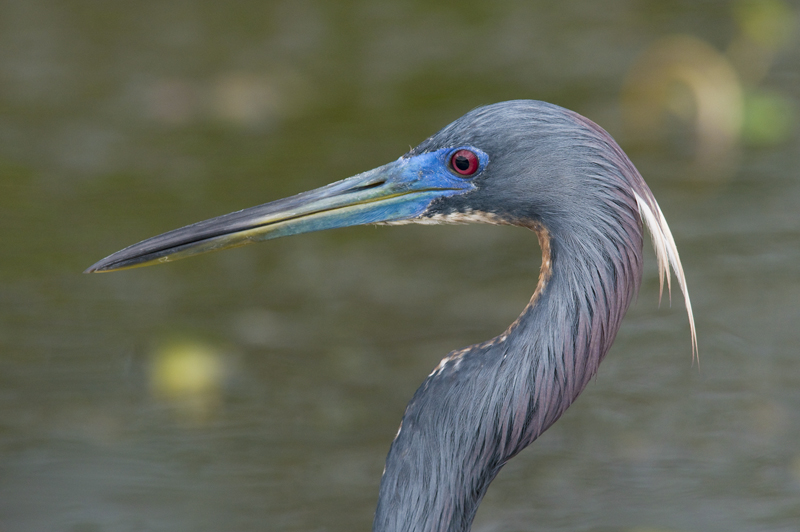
(464, 162)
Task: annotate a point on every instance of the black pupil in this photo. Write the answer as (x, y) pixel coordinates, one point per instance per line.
(461, 162)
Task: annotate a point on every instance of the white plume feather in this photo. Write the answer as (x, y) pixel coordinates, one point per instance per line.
(666, 255)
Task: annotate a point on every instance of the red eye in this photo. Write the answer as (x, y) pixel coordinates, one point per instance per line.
(464, 162)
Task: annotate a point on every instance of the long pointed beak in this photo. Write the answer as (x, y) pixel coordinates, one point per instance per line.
(401, 190)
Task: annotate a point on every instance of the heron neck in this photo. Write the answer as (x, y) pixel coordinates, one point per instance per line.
(482, 405)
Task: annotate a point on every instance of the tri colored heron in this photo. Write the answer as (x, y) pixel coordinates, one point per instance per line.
(523, 163)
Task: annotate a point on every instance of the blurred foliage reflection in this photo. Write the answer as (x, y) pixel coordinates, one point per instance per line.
(683, 92)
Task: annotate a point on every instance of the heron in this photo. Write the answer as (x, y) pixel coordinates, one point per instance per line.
(522, 163)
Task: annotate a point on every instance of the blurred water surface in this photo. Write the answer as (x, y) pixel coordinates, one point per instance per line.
(259, 389)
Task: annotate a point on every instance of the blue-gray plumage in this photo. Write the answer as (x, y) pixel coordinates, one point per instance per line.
(524, 163)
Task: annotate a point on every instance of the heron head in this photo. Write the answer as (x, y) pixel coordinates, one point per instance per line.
(545, 165)
(517, 162)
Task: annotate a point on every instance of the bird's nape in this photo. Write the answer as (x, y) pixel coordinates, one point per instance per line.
(522, 163)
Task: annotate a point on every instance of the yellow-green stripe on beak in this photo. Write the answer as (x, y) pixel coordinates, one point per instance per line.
(400, 190)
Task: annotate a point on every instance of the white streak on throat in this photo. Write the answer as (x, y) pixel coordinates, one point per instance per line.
(467, 217)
